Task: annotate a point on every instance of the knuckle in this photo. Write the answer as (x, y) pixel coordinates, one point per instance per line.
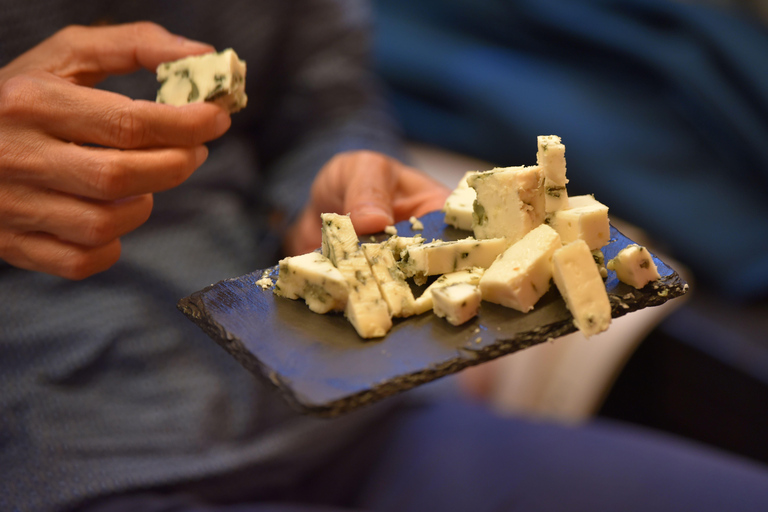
(125, 129)
(77, 266)
(17, 95)
(110, 179)
(100, 228)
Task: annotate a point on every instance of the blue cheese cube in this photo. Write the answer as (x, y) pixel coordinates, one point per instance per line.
(522, 274)
(214, 77)
(440, 257)
(551, 158)
(634, 265)
(459, 206)
(468, 275)
(312, 277)
(391, 280)
(339, 239)
(366, 309)
(578, 280)
(509, 202)
(457, 303)
(586, 219)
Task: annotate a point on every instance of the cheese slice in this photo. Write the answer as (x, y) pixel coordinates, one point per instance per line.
(586, 219)
(580, 284)
(459, 205)
(366, 309)
(391, 281)
(509, 202)
(634, 265)
(522, 274)
(441, 257)
(312, 277)
(215, 77)
(457, 303)
(551, 158)
(339, 239)
(468, 275)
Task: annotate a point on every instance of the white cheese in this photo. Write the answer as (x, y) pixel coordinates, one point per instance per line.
(392, 285)
(521, 275)
(551, 158)
(580, 284)
(585, 219)
(398, 244)
(339, 239)
(509, 202)
(215, 77)
(441, 257)
(459, 205)
(416, 224)
(457, 303)
(366, 309)
(469, 275)
(634, 265)
(312, 277)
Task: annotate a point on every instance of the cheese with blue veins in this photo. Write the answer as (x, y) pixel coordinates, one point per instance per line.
(313, 278)
(634, 266)
(339, 240)
(457, 303)
(391, 281)
(586, 219)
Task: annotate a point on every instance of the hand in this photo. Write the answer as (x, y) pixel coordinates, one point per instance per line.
(78, 166)
(374, 189)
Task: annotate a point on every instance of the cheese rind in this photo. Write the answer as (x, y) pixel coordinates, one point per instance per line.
(578, 280)
(459, 205)
(509, 202)
(366, 309)
(457, 303)
(634, 266)
(215, 77)
(586, 219)
(339, 239)
(439, 257)
(468, 275)
(313, 278)
(521, 275)
(390, 279)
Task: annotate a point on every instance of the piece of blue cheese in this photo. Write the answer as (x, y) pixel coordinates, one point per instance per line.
(509, 202)
(313, 278)
(441, 257)
(578, 280)
(366, 309)
(394, 289)
(215, 77)
(339, 239)
(634, 266)
(457, 303)
(586, 219)
(459, 205)
(522, 274)
(471, 276)
(551, 158)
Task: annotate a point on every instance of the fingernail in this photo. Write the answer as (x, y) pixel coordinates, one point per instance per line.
(223, 122)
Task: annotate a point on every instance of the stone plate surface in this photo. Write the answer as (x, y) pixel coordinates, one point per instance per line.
(322, 367)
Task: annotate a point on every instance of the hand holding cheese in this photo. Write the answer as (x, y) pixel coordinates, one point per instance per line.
(374, 189)
(78, 166)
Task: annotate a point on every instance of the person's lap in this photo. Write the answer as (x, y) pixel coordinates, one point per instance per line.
(454, 456)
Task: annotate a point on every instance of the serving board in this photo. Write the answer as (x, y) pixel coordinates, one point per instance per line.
(321, 366)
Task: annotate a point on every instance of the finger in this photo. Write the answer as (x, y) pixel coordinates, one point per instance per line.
(42, 252)
(108, 174)
(80, 114)
(77, 220)
(88, 54)
(368, 197)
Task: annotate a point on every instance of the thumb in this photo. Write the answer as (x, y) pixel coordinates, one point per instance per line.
(368, 197)
(86, 55)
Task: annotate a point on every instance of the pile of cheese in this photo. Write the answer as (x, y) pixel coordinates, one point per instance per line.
(527, 233)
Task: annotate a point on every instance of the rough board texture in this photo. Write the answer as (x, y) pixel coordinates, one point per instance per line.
(322, 367)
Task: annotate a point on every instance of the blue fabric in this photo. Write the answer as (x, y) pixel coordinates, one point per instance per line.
(662, 106)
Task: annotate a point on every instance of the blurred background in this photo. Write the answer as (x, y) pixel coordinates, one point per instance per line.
(663, 108)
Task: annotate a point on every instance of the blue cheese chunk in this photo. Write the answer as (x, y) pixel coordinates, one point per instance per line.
(339, 239)
(551, 158)
(398, 244)
(634, 265)
(457, 303)
(440, 257)
(469, 276)
(215, 77)
(578, 280)
(391, 281)
(366, 309)
(586, 219)
(509, 202)
(522, 274)
(312, 277)
(459, 205)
